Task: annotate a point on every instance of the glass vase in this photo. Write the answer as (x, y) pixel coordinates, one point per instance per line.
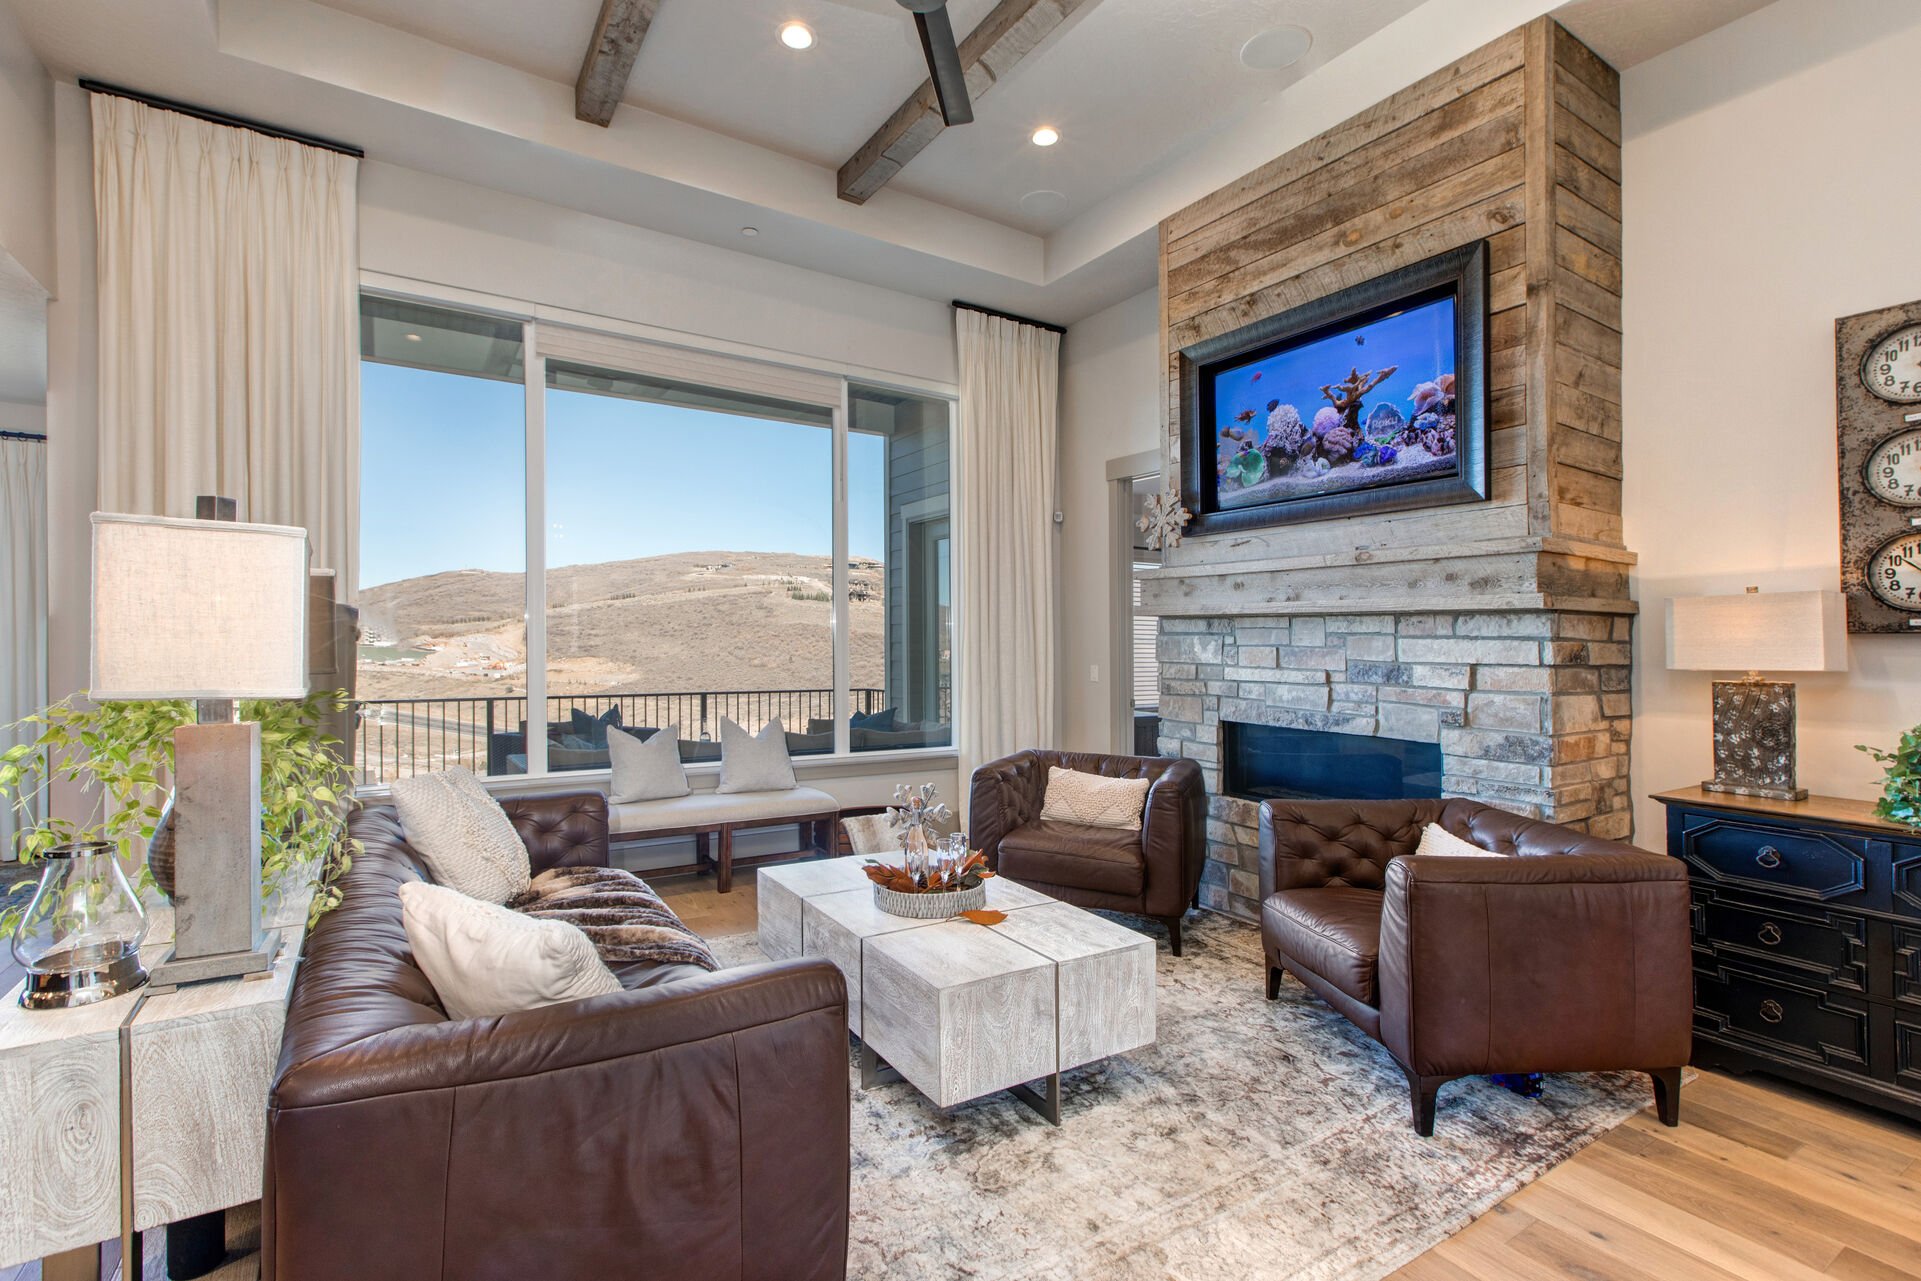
(79, 939)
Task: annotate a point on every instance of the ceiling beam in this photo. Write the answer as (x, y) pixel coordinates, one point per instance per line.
(618, 31)
(988, 55)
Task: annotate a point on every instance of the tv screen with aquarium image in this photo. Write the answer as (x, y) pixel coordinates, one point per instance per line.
(1367, 400)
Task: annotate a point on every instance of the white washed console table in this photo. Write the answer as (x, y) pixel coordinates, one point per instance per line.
(187, 1070)
(962, 1010)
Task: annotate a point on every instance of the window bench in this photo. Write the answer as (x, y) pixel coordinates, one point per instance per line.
(705, 815)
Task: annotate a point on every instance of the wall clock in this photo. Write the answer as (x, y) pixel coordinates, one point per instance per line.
(1877, 367)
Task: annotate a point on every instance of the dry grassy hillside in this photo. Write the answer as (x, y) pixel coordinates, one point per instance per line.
(689, 621)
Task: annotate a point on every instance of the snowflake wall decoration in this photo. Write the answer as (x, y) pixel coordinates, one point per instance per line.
(1164, 519)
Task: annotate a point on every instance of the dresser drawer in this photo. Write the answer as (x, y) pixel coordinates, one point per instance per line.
(1905, 1031)
(1907, 964)
(1827, 945)
(1817, 866)
(1784, 1018)
(1907, 879)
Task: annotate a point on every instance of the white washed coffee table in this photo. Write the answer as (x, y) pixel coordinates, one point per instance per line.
(961, 1010)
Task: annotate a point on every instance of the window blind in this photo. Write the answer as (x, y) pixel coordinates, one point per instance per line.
(759, 382)
(1147, 666)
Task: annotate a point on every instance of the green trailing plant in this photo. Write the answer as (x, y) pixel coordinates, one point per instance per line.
(121, 755)
(1901, 780)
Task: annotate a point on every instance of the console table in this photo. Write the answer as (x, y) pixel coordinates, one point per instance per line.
(1807, 942)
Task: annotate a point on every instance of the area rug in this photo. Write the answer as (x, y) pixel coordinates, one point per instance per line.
(1254, 1139)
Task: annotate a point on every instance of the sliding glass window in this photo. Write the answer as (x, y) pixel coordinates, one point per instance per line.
(689, 540)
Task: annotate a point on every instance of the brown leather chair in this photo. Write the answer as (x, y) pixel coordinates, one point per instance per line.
(693, 1127)
(1153, 872)
(1568, 954)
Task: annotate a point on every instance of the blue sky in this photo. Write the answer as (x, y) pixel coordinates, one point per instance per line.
(443, 477)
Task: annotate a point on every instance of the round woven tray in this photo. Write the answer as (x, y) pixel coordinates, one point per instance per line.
(929, 907)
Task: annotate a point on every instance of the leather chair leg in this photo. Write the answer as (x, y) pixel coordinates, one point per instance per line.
(1421, 1091)
(1667, 1094)
(1273, 982)
(1173, 924)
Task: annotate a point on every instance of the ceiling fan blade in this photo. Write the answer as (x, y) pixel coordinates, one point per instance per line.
(944, 65)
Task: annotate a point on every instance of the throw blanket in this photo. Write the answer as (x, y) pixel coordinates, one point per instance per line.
(618, 912)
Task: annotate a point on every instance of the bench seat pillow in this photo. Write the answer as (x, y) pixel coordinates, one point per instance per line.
(645, 770)
(754, 762)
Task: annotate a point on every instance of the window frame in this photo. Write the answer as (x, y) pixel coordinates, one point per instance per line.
(530, 316)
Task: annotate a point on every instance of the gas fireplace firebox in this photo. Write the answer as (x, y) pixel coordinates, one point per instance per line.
(1271, 762)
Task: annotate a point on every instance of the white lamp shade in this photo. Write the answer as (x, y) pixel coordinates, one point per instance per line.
(198, 609)
(1758, 632)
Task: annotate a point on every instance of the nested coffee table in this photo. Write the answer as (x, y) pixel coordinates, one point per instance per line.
(962, 1010)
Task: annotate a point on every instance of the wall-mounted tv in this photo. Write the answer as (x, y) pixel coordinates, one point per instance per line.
(1370, 399)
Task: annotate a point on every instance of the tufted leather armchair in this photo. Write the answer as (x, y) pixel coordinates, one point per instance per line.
(1563, 952)
(1153, 872)
(696, 1122)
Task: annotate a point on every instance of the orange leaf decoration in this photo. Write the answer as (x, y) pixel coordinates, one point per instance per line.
(985, 916)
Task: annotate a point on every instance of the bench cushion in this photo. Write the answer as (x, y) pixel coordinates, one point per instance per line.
(711, 809)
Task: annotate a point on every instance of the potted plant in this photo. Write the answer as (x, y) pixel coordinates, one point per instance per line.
(1901, 780)
(121, 753)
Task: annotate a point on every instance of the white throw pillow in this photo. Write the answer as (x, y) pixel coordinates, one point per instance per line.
(466, 839)
(484, 959)
(1436, 839)
(1093, 800)
(648, 770)
(754, 762)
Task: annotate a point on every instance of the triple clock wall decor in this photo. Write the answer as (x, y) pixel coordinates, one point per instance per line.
(1878, 391)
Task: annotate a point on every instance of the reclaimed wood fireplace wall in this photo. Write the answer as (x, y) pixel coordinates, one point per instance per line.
(1498, 629)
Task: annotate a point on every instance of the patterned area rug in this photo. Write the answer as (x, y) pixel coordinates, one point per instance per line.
(1253, 1140)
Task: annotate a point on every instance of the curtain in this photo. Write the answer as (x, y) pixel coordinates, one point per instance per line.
(23, 599)
(229, 333)
(1009, 403)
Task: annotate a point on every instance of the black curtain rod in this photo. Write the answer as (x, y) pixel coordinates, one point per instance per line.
(1008, 315)
(222, 118)
(22, 435)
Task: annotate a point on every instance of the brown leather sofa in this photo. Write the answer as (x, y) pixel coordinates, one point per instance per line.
(1153, 872)
(1568, 954)
(693, 1127)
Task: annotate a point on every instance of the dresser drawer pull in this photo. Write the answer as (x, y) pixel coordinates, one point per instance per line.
(1771, 1011)
(1770, 934)
(1769, 857)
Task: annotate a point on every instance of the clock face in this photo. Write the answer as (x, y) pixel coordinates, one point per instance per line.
(1892, 367)
(1893, 472)
(1894, 572)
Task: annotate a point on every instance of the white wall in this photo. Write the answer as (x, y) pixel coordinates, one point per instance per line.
(1766, 193)
(18, 417)
(1110, 408)
(26, 154)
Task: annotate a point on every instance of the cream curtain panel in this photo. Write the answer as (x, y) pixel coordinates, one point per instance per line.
(1009, 423)
(229, 332)
(23, 599)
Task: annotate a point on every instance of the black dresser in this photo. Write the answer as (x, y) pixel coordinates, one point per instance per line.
(1807, 942)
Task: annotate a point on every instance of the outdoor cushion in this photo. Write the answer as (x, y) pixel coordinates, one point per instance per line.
(1334, 931)
(704, 809)
(1106, 859)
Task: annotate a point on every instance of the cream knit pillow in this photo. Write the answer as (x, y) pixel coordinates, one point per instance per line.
(465, 838)
(1094, 801)
(1436, 839)
(484, 959)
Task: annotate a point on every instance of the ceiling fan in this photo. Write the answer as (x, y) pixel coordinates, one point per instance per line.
(937, 43)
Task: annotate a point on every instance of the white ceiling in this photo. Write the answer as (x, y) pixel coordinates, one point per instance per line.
(1627, 32)
(726, 127)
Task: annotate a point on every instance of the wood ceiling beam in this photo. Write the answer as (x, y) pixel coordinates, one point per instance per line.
(988, 55)
(618, 31)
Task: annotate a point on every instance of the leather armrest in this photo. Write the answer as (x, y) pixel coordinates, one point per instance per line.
(1537, 963)
(1174, 837)
(1003, 795)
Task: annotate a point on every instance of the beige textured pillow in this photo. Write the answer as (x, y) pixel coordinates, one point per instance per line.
(645, 771)
(484, 959)
(754, 762)
(1436, 839)
(1094, 801)
(466, 839)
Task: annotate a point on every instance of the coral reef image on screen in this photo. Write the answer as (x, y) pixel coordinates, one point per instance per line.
(1370, 405)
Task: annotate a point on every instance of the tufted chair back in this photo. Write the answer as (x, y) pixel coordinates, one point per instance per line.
(561, 831)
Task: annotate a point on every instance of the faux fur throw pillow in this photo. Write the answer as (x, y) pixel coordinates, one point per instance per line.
(1093, 800)
(618, 912)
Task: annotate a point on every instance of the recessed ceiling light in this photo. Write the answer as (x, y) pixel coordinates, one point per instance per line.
(1046, 136)
(796, 35)
(413, 337)
(1277, 47)
(750, 231)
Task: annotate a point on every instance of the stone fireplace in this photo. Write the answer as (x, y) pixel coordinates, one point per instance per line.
(1497, 631)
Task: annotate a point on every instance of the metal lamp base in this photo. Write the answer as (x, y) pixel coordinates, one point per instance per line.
(62, 990)
(1754, 740)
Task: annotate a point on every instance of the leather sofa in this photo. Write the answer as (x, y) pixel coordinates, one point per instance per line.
(693, 1127)
(1153, 872)
(1568, 953)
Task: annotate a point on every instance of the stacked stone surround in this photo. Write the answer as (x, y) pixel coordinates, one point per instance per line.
(1530, 709)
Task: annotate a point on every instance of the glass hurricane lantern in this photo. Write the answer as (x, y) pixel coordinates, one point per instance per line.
(79, 939)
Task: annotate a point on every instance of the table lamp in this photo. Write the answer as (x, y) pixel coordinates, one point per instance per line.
(211, 610)
(1757, 632)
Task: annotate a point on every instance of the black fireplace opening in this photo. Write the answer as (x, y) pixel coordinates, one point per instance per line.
(1273, 762)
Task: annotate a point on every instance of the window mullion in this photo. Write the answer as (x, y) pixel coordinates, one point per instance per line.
(534, 367)
(843, 665)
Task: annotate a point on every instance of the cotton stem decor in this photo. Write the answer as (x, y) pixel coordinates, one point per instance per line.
(1009, 406)
(228, 269)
